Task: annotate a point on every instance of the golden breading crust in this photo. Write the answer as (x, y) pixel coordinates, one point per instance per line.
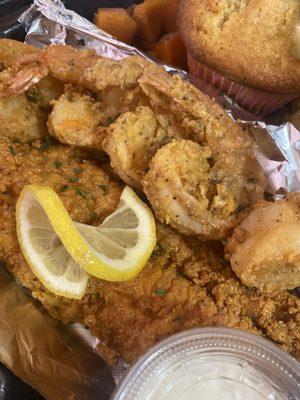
(75, 119)
(84, 188)
(23, 116)
(264, 249)
(248, 41)
(184, 284)
(12, 50)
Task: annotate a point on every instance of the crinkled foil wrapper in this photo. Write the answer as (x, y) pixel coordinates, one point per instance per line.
(61, 362)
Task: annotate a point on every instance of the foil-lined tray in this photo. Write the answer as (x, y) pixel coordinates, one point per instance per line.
(61, 362)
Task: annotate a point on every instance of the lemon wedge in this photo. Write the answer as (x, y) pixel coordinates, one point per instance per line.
(61, 253)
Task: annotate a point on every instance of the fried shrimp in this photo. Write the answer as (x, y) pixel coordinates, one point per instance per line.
(93, 72)
(236, 181)
(23, 117)
(181, 189)
(32, 70)
(25, 94)
(178, 185)
(68, 64)
(264, 248)
(75, 120)
(131, 142)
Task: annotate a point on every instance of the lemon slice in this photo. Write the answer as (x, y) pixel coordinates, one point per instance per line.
(120, 247)
(41, 244)
(60, 251)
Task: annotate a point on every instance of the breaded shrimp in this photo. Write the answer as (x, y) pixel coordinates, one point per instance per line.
(75, 120)
(182, 191)
(264, 249)
(23, 117)
(25, 96)
(32, 69)
(236, 181)
(93, 72)
(131, 142)
(68, 64)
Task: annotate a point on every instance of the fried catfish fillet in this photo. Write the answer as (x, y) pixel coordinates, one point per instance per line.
(86, 191)
(185, 284)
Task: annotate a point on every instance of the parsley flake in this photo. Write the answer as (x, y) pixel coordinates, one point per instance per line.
(81, 192)
(78, 170)
(46, 145)
(30, 96)
(12, 150)
(58, 164)
(104, 189)
(158, 250)
(160, 292)
(97, 296)
(64, 188)
(73, 179)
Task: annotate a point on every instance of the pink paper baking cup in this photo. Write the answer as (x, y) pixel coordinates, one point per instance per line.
(255, 101)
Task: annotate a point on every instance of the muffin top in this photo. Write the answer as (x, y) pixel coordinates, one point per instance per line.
(248, 41)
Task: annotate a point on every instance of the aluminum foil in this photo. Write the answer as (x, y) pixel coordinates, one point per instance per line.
(50, 357)
(60, 362)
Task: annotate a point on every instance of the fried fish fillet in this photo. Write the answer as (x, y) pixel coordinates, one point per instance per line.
(185, 284)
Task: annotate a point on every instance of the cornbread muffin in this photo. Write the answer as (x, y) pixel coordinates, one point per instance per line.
(247, 41)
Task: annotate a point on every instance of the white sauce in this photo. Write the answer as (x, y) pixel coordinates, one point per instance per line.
(208, 378)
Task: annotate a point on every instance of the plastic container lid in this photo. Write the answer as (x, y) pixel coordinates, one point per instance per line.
(212, 363)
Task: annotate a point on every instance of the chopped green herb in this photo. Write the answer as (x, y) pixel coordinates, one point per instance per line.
(31, 96)
(251, 180)
(177, 318)
(160, 292)
(109, 121)
(78, 170)
(58, 164)
(46, 145)
(97, 296)
(240, 209)
(12, 150)
(104, 189)
(81, 192)
(158, 250)
(64, 188)
(73, 180)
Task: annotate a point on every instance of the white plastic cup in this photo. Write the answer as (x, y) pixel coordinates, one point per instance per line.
(212, 364)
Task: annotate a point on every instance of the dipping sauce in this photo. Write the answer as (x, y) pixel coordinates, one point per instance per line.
(212, 364)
